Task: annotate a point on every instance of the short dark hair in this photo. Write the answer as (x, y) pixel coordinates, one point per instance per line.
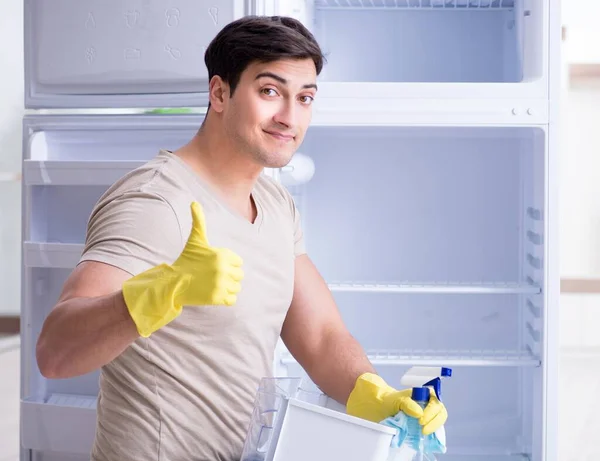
(262, 39)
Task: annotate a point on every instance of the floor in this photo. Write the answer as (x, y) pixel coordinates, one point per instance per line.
(9, 398)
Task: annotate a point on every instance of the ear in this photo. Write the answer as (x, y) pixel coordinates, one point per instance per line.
(218, 90)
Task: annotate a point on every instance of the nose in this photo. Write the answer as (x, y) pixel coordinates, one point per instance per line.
(286, 115)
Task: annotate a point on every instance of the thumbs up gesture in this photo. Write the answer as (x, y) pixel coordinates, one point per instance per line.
(213, 274)
(201, 275)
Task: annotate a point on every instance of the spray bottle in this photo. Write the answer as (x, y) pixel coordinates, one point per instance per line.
(426, 376)
(411, 444)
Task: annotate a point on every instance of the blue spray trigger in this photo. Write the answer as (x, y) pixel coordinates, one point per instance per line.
(437, 387)
(437, 382)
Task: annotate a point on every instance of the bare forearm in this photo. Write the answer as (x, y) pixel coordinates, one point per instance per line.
(340, 360)
(83, 334)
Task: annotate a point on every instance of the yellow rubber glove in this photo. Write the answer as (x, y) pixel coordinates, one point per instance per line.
(201, 275)
(374, 400)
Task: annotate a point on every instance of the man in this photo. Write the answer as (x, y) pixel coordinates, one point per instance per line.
(194, 264)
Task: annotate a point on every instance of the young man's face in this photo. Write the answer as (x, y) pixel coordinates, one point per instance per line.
(271, 109)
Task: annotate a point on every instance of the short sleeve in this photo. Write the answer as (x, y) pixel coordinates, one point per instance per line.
(299, 247)
(134, 232)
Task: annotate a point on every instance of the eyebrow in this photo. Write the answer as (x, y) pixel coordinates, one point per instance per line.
(283, 80)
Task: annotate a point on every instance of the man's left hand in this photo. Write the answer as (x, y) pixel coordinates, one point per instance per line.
(374, 400)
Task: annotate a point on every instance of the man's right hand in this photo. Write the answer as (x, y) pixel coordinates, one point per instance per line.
(201, 275)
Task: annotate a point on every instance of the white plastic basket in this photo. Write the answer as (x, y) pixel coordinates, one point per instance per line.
(287, 427)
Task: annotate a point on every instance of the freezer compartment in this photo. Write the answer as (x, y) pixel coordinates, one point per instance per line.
(425, 209)
(445, 41)
(113, 54)
(492, 410)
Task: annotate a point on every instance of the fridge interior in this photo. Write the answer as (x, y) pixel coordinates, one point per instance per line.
(450, 41)
(431, 239)
(432, 243)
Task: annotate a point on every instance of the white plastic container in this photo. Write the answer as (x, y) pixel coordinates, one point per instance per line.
(290, 424)
(311, 432)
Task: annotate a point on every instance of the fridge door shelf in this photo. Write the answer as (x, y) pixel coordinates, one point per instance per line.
(74, 173)
(61, 423)
(51, 255)
(82, 172)
(464, 358)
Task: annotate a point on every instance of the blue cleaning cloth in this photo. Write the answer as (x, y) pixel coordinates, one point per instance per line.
(433, 443)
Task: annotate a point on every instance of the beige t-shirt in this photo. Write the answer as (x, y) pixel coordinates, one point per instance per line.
(186, 392)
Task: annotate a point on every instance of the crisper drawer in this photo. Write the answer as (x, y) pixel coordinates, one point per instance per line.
(93, 53)
(430, 48)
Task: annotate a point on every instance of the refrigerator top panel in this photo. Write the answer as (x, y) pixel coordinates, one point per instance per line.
(120, 53)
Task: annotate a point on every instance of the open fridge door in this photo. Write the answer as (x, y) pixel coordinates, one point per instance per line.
(123, 56)
(147, 53)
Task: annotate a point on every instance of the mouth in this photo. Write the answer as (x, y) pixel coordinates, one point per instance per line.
(280, 136)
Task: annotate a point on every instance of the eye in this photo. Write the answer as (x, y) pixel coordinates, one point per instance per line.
(306, 99)
(269, 92)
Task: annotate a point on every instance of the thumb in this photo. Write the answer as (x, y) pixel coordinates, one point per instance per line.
(198, 231)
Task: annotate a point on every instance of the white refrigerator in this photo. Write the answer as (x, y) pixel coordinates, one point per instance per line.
(432, 210)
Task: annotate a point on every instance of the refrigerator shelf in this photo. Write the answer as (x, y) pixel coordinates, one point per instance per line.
(451, 5)
(466, 358)
(66, 256)
(439, 287)
(75, 173)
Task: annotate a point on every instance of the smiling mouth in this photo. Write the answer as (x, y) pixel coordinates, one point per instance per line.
(280, 136)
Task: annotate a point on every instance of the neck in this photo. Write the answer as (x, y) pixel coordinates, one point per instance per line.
(212, 156)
